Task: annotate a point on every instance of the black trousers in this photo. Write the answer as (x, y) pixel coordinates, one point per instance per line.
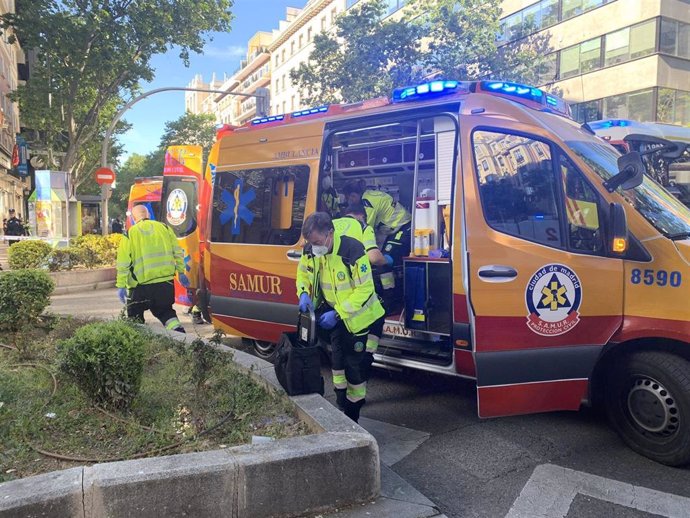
(159, 298)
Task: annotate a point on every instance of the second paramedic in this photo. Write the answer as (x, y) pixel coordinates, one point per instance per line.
(383, 210)
(335, 267)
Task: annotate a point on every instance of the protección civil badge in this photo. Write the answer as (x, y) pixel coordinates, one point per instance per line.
(553, 296)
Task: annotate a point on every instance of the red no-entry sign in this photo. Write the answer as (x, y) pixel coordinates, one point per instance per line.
(104, 175)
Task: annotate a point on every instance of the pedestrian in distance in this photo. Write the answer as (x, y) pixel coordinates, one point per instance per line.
(147, 259)
(14, 227)
(117, 226)
(334, 276)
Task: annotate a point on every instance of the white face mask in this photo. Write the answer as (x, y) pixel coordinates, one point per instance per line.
(319, 250)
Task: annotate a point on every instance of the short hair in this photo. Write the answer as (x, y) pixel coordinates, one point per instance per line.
(319, 222)
(11, 210)
(140, 212)
(353, 187)
(356, 209)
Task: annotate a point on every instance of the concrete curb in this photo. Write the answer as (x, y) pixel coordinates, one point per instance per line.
(337, 466)
(82, 280)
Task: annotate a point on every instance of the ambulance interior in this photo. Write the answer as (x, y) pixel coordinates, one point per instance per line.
(412, 160)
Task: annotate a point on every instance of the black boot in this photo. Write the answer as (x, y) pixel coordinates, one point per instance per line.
(352, 409)
(341, 398)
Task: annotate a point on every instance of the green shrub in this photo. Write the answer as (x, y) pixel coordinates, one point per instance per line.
(106, 361)
(98, 250)
(28, 254)
(24, 294)
(65, 258)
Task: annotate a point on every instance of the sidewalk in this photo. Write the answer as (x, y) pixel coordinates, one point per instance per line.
(398, 498)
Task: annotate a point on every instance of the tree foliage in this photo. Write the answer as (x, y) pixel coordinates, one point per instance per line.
(190, 129)
(90, 54)
(370, 53)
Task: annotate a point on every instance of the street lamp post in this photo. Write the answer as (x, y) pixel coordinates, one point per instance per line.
(261, 109)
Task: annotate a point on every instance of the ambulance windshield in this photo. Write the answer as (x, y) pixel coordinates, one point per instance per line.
(663, 210)
(668, 215)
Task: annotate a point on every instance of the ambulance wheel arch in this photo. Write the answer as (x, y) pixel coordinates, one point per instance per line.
(646, 395)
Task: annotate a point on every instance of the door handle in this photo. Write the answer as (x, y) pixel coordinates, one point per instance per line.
(497, 273)
(294, 255)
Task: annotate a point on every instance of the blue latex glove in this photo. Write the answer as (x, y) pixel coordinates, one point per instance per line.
(328, 320)
(305, 303)
(122, 293)
(184, 280)
(389, 260)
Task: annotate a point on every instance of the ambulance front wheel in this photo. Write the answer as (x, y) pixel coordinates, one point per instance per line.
(648, 404)
(264, 350)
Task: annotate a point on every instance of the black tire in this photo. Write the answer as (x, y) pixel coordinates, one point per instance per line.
(264, 350)
(648, 404)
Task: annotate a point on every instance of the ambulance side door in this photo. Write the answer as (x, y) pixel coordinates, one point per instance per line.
(545, 298)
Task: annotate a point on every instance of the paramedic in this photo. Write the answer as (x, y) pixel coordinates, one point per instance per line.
(147, 258)
(335, 261)
(382, 210)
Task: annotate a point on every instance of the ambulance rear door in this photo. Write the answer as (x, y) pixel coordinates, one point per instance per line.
(261, 193)
(545, 298)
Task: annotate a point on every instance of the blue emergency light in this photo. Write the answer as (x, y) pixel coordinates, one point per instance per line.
(518, 90)
(609, 124)
(425, 90)
(310, 111)
(272, 118)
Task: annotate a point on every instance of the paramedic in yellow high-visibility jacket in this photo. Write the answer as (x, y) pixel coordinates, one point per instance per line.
(147, 259)
(335, 271)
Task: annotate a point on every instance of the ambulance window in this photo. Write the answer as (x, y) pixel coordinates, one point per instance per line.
(259, 206)
(518, 190)
(582, 210)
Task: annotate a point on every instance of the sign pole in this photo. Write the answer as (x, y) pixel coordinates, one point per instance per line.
(105, 190)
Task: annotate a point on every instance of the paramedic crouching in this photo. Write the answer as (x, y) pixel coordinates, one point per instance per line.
(335, 266)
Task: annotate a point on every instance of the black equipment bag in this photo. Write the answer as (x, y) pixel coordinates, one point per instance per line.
(298, 359)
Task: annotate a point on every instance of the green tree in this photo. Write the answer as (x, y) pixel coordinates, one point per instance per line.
(453, 39)
(190, 129)
(367, 56)
(90, 54)
(134, 167)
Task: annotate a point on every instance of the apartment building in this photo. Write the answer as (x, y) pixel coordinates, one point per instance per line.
(292, 44)
(12, 186)
(202, 102)
(611, 58)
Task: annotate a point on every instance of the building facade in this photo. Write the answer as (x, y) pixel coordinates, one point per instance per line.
(292, 44)
(13, 188)
(611, 58)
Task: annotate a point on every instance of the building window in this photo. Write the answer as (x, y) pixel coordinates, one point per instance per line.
(277, 59)
(334, 13)
(301, 41)
(308, 34)
(618, 47)
(570, 62)
(283, 83)
(637, 105)
(282, 56)
(547, 71)
(284, 107)
(642, 39)
(323, 24)
(292, 48)
(673, 107)
(574, 7)
(675, 38)
(587, 112)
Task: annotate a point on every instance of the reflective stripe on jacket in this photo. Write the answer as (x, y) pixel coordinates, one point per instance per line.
(148, 253)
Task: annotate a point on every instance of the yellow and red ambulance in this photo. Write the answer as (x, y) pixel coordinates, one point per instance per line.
(144, 191)
(549, 269)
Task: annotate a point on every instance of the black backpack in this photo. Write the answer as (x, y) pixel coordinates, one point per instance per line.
(298, 359)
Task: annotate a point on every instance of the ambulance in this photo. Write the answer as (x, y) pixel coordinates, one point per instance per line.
(667, 149)
(144, 191)
(550, 270)
(179, 208)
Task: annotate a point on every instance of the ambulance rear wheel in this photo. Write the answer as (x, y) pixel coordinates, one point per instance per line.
(648, 404)
(265, 350)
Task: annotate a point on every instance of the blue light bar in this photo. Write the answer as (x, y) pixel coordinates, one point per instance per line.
(272, 118)
(551, 100)
(430, 89)
(517, 90)
(310, 111)
(609, 124)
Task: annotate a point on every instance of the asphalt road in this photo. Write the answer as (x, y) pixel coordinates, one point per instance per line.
(564, 464)
(478, 468)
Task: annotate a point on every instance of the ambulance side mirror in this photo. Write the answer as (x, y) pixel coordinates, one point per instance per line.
(630, 173)
(618, 223)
